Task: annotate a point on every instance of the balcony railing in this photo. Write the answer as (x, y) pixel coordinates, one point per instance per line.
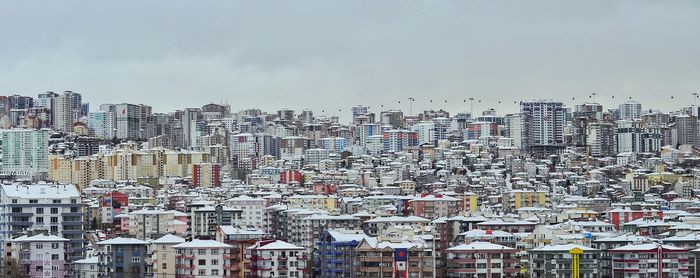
(231, 257)
(232, 267)
(185, 256)
(185, 266)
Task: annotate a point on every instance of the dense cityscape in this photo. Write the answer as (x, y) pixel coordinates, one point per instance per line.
(553, 189)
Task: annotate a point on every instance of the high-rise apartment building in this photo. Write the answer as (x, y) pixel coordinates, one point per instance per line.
(397, 140)
(601, 139)
(514, 128)
(392, 118)
(425, 132)
(20, 102)
(358, 112)
(630, 110)
(102, 124)
(583, 115)
(627, 136)
(190, 117)
(45, 99)
(25, 151)
(479, 130)
(441, 128)
(128, 121)
(48, 208)
(66, 111)
(544, 126)
(686, 127)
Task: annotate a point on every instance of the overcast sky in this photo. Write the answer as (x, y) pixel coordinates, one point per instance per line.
(330, 55)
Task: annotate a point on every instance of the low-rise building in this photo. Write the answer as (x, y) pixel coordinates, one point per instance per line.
(556, 261)
(434, 206)
(42, 255)
(205, 220)
(150, 224)
(650, 260)
(334, 253)
(478, 259)
(276, 259)
(203, 258)
(122, 257)
(163, 255)
(240, 240)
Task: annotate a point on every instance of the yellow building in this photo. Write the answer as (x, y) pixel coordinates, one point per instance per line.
(516, 199)
(324, 202)
(163, 256)
(470, 202)
(123, 164)
(60, 169)
(407, 186)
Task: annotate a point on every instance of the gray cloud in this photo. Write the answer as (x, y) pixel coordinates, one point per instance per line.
(329, 55)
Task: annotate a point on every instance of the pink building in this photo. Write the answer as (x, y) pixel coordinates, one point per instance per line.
(181, 216)
(179, 227)
(41, 255)
(122, 226)
(434, 206)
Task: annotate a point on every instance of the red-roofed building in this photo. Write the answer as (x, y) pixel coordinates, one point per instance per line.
(620, 216)
(289, 176)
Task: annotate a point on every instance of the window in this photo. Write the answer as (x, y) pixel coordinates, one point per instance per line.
(54, 210)
(54, 245)
(14, 201)
(214, 272)
(73, 201)
(39, 220)
(39, 246)
(40, 210)
(202, 272)
(164, 256)
(202, 262)
(164, 266)
(214, 262)
(56, 201)
(54, 219)
(215, 251)
(54, 229)
(33, 201)
(74, 209)
(54, 257)
(135, 259)
(202, 251)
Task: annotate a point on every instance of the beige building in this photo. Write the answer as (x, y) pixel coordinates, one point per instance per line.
(145, 224)
(163, 255)
(124, 163)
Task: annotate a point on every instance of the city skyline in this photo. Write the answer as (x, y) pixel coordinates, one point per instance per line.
(334, 139)
(411, 106)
